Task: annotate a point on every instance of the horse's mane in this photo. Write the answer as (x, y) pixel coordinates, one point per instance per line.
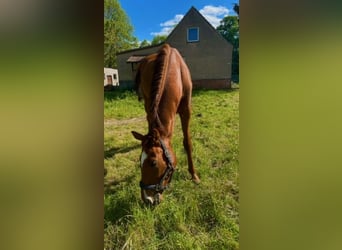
(158, 83)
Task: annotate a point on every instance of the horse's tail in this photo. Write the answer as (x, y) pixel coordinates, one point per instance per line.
(158, 82)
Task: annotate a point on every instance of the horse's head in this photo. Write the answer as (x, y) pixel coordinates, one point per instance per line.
(157, 165)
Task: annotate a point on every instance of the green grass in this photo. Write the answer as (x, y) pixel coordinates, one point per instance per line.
(203, 216)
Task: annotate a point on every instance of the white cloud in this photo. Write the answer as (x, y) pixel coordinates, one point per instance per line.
(213, 20)
(173, 21)
(214, 11)
(213, 14)
(168, 26)
(164, 31)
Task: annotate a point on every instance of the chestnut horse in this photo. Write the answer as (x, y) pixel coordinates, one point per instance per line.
(164, 81)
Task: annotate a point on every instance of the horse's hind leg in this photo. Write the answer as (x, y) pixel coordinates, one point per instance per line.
(185, 114)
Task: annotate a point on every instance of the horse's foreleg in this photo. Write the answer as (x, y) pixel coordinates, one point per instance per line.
(185, 120)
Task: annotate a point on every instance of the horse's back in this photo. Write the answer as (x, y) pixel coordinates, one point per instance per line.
(164, 75)
(177, 71)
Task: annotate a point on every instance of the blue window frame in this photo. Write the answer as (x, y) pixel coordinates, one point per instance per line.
(193, 34)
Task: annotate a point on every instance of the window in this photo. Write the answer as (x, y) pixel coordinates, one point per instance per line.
(114, 76)
(193, 34)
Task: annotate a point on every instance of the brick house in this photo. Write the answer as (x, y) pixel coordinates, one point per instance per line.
(207, 54)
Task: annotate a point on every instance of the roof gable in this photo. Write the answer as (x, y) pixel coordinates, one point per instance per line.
(194, 18)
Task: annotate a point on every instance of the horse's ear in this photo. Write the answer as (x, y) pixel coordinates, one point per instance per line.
(138, 136)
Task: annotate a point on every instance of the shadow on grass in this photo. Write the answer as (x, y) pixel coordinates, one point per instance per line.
(112, 186)
(119, 200)
(118, 208)
(113, 151)
(122, 196)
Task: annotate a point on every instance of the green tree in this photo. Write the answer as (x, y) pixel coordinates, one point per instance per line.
(144, 43)
(118, 32)
(229, 29)
(158, 39)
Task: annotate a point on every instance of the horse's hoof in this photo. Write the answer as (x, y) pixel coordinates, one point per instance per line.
(196, 179)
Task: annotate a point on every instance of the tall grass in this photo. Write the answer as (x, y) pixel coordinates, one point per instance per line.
(203, 216)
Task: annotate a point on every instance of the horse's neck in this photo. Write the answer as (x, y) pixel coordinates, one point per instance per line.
(164, 135)
(158, 122)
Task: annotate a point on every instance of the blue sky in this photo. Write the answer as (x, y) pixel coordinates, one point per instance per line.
(157, 17)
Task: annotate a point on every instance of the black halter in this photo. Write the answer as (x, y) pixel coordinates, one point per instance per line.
(167, 174)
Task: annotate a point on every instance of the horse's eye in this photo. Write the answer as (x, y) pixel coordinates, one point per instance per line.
(154, 164)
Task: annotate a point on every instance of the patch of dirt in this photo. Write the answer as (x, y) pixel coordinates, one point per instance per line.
(110, 122)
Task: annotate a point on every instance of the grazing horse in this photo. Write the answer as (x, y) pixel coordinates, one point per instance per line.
(164, 82)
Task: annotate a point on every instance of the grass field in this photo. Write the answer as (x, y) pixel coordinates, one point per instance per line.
(203, 216)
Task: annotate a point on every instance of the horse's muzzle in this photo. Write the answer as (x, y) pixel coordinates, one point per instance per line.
(151, 200)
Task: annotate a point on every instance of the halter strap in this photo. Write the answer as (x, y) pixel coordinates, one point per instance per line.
(166, 153)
